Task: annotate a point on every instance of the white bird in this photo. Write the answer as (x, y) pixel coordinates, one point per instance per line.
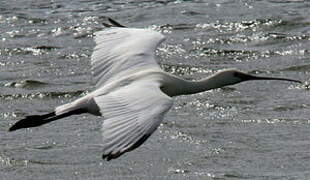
(132, 92)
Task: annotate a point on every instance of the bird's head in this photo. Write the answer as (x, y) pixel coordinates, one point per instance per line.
(232, 76)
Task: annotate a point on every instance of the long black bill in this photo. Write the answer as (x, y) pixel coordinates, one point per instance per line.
(247, 77)
(273, 78)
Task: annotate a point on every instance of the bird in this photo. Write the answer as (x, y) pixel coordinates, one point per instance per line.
(132, 93)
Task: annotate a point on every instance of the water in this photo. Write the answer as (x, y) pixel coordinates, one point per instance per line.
(253, 130)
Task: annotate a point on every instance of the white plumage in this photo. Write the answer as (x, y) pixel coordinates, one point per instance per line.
(123, 60)
(120, 52)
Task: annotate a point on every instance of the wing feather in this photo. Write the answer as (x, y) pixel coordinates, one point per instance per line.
(132, 113)
(121, 51)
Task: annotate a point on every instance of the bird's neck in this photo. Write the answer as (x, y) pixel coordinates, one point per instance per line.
(175, 86)
(192, 87)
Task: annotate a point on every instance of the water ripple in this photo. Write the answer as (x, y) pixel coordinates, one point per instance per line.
(251, 25)
(43, 95)
(29, 84)
(36, 51)
(8, 162)
(183, 70)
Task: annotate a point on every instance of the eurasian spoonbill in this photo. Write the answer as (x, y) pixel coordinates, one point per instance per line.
(132, 92)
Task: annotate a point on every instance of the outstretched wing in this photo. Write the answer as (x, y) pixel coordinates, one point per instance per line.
(121, 51)
(132, 113)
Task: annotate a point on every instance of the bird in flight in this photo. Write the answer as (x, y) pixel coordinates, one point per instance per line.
(132, 92)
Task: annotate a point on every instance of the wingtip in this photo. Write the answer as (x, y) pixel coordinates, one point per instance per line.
(113, 23)
(111, 156)
(32, 121)
(107, 157)
(107, 25)
(18, 125)
(13, 128)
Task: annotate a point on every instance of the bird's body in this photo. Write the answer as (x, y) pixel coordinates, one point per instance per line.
(132, 92)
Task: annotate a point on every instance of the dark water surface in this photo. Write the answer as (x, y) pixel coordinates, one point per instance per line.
(253, 130)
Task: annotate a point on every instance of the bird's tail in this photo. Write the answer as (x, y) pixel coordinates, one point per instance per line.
(38, 120)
